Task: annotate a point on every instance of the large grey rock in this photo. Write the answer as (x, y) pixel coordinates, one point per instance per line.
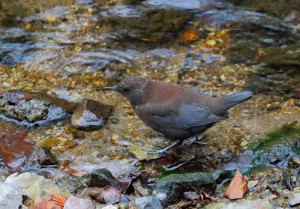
(10, 196)
(148, 202)
(170, 189)
(241, 204)
(295, 200)
(90, 115)
(36, 187)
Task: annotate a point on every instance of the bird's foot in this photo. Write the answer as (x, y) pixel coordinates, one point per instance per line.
(174, 167)
(192, 141)
(161, 152)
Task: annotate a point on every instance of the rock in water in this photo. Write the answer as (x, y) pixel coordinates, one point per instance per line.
(90, 115)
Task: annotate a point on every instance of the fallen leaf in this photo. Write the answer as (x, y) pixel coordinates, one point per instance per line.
(56, 201)
(14, 149)
(204, 197)
(189, 36)
(237, 188)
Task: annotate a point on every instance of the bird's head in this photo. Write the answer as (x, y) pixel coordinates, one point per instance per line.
(133, 88)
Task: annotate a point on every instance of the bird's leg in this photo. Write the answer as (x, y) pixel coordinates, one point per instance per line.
(162, 151)
(192, 140)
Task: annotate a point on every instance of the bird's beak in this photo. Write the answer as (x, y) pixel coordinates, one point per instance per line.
(111, 88)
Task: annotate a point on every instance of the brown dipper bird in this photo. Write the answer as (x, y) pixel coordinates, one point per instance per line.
(174, 110)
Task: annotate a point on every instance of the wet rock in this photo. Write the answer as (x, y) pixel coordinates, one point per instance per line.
(271, 32)
(72, 183)
(295, 200)
(103, 177)
(149, 202)
(280, 9)
(78, 203)
(151, 22)
(10, 196)
(283, 56)
(35, 187)
(90, 115)
(39, 158)
(24, 109)
(31, 111)
(170, 189)
(14, 149)
(241, 204)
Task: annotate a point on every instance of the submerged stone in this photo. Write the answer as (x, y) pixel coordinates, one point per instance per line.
(25, 109)
(90, 115)
(41, 157)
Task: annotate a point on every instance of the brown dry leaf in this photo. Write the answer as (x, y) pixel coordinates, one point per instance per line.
(14, 149)
(238, 187)
(145, 39)
(204, 197)
(189, 36)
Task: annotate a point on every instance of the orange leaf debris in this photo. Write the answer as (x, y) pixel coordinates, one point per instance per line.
(238, 187)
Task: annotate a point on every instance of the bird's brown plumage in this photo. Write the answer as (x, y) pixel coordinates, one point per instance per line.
(174, 110)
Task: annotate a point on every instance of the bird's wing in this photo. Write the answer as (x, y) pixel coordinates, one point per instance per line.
(188, 116)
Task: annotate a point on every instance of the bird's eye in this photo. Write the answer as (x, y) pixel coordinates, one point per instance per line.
(126, 89)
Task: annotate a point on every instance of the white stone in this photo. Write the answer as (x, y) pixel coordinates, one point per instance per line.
(10, 196)
(78, 203)
(109, 207)
(295, 200)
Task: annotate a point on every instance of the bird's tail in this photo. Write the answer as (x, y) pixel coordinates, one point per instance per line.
(230, 100)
